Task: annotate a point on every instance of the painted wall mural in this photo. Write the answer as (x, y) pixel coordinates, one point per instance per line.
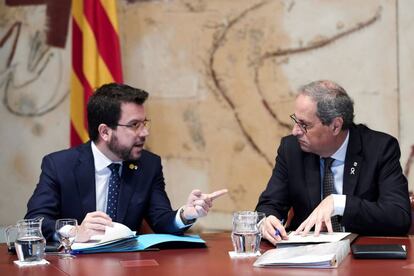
(222, 78)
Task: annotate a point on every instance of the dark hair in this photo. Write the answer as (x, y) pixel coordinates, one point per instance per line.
(104, 106)
(331, 100)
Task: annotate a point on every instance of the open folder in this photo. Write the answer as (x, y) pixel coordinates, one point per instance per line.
(120, 238)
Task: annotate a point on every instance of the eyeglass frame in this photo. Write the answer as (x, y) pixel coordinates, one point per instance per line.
(304, 127)
(139, 125)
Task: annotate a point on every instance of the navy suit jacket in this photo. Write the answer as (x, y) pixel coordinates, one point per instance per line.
(377, 201)
(66, 189)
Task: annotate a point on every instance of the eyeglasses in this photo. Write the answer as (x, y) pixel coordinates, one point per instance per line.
(137, 126)
(304, 127)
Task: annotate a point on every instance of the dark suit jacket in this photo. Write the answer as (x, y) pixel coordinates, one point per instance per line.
(377, 201)
(66, 189)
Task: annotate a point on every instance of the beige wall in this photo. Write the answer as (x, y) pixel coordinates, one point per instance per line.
(209, 66)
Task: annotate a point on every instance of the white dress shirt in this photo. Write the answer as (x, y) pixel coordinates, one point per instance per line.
(102, 174)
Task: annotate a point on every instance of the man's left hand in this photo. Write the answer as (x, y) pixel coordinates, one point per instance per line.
(198, 204)
(320, 217)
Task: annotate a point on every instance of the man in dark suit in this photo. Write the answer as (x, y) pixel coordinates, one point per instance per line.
(369, 193)
(111, 177)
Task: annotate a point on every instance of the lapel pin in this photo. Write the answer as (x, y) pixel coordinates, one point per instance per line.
(352, 170)
(355, 164)
(133, 167)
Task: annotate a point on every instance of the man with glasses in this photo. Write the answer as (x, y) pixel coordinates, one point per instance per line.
(334, 175)
(112, 177)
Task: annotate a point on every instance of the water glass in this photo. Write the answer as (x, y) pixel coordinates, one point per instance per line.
(66, 230)
(28, 240)
(246, 234)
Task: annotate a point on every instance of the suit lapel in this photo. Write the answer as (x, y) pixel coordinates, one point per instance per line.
(353, 162)
(313, 179)
(131, 177)
(85, 178)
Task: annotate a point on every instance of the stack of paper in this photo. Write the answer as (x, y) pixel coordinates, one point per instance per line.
(325, 255)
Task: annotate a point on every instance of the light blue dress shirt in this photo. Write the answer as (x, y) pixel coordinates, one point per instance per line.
(337, 169)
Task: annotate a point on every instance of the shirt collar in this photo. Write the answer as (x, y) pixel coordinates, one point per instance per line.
(341, 152)
(100, 160)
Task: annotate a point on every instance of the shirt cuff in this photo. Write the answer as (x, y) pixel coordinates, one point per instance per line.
(178, 222)
(339, 202)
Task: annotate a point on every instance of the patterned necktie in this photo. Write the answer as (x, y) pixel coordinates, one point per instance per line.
(113, 190)
(328, 188)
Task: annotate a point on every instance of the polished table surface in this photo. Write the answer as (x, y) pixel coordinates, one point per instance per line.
(213, 260)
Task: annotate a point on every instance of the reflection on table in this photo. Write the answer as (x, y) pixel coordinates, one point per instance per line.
(213, 260)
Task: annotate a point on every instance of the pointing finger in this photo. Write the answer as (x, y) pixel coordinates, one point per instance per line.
(217, 194)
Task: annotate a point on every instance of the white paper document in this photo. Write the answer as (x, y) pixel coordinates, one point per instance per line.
(310, 238)
(116, 232)
(324, 255)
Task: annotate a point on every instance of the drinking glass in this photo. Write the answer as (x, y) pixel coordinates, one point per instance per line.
(66, 230)
(28, 240)
(246, 234)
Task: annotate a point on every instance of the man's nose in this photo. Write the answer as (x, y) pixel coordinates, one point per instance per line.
(296, 130)
(144, 132)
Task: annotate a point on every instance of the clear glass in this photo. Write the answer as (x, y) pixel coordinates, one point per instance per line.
(246, 234)
(66, 229)
(28, 239)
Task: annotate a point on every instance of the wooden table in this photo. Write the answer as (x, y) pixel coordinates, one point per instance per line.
(213, 261)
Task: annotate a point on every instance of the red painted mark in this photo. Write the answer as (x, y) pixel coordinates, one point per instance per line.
(58, 14)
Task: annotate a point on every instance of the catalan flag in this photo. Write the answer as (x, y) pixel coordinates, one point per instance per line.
(96, 58)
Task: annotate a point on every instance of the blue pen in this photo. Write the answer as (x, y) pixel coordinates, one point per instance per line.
(277, 233)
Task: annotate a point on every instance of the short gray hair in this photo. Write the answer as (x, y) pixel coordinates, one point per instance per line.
(331, 101)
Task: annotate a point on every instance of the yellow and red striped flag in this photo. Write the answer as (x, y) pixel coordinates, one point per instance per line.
(96, 58)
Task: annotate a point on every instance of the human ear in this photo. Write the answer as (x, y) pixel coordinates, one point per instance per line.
(337, 125)
(104, 132)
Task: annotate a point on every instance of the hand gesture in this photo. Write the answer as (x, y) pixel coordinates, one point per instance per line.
(198, 204)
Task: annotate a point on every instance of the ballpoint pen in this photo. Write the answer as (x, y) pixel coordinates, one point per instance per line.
(277, 233)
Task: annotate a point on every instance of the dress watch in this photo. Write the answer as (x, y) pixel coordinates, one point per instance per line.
(184, 220)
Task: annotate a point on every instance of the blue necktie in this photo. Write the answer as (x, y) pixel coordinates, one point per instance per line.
(328, 188)
(113, 191)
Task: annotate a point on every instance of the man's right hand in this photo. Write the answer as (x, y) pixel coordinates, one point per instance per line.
(93, 224)
(268, 229)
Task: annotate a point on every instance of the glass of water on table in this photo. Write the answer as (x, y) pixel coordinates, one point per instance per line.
(246, 234)
(66, 230)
